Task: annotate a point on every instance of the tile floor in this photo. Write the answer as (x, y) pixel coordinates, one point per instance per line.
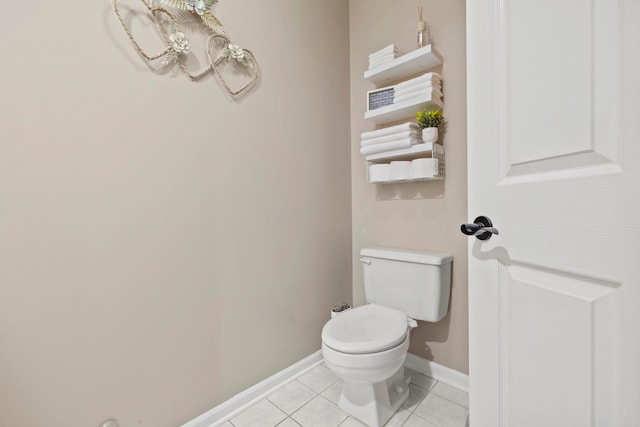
(311, 401)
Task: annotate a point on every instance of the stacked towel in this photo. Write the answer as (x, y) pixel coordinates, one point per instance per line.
(390, 138)
(429, 83)
(383, 56)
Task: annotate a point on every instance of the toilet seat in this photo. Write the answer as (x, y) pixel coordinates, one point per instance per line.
(367, 329)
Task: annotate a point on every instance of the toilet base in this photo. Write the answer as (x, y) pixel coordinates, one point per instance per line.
(375, 404)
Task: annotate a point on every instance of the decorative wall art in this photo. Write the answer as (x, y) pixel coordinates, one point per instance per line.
(218, 46)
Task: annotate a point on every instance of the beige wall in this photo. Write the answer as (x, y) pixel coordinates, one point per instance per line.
(423, 215)
(164, 247)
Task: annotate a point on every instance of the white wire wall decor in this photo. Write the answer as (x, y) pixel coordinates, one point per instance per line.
(218, 46)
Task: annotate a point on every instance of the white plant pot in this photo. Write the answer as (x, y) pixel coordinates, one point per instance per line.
(429, 134)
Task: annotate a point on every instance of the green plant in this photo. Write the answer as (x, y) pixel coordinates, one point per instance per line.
(430, 119)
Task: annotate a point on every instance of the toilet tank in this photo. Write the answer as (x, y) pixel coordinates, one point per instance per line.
(415, 282)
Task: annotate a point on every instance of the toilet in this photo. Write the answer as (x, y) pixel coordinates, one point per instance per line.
(367, 346)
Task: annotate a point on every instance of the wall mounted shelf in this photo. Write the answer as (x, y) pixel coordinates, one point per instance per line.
(419, 60)
(400, 181)
(419, 150)
(424, 150)
(402, 110)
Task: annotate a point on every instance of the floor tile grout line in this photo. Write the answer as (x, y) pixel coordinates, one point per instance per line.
(306, 386)
(330, 402)
(288, 418)
(454, 402)
(274, 404)
(323, 390)
(327, 387)
(445, 398)
(314, 397)
(422, 418)
(284, 385)
(432, 390)
(431, 422)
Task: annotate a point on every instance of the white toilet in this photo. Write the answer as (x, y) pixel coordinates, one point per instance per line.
(366, 346)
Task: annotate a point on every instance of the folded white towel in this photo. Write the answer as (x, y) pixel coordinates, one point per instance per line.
(389, 130)
(414, 133)
(434, 77)
(383, 57)
(405, 97)
(388, 146)
(409, 100)
(419, 92)
(391, 46)
(380, 63)
(379, 55)
(417, 81)
(388, 57)
(375, 66)
(386, 49)
(376, 62)
(416, 88)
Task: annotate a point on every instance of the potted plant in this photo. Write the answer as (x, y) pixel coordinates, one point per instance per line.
(430, 121)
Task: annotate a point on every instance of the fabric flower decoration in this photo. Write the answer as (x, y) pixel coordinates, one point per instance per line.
(179, 43)
(233, 51)
(197, 6)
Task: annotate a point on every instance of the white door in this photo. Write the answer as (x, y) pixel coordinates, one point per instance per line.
(554, 162)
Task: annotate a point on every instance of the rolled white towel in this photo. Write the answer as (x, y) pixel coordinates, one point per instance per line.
(388, 146)
(434, 77)
(390, 130)
(417, 94)
(414, 133)
(415, 88)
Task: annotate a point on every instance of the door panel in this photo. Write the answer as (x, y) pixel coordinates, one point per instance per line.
(537, 67)
(558, 90)
(553, 159)
(571, 325)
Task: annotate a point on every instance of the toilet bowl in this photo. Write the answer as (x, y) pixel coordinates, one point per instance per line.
(367, 346)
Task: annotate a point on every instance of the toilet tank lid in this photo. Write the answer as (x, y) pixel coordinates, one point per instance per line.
(407, 255)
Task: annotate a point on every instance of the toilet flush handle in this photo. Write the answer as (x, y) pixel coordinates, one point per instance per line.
(365, 261)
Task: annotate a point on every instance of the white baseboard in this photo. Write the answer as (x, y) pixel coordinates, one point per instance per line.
(438, 372)
(221, 413)
(226, 410)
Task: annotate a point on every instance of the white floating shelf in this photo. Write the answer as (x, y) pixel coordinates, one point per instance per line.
(402, 110)
(417, 150)
(407, 180)
(421, 59)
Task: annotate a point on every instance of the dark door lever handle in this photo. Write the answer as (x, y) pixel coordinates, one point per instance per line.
(482, 228)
